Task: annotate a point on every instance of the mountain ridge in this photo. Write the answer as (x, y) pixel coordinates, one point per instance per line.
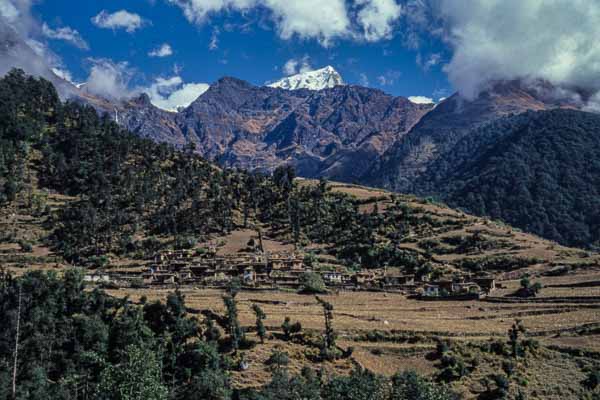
(326, 132)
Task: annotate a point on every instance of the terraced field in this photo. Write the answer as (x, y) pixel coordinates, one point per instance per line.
(389, 331)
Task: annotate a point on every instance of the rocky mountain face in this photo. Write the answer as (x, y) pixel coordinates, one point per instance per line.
(453, 119)
(337, 132)
(318, 79)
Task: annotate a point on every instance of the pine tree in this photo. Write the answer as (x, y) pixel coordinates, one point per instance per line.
(260, 326)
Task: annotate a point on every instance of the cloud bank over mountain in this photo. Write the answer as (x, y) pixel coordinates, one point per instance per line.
(553, 40)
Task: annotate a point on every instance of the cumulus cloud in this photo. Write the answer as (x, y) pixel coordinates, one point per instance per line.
(377, 18)
(323, 20)
(172, 93)
(118, 20)
(109, 79)
(163, 50)
(295, 66)
(421, 100)
(554, 40)
(67, 34)
(310, 19)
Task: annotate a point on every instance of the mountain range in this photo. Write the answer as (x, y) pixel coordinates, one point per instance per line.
(336, 132)
(462, 151)
(345, 132)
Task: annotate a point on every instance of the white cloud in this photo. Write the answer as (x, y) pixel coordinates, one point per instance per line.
(8, 11)
(63, 74)
(389, 78)
(429, 62)
(197, 11)
(43, 53)
(172, 93)
(67, 34)
(322, 20)
(118, 20)
(377, 18)
(421, 100)
(163, 50)
(555, 40)
(364, 80)
(17, 13)
(295, 66)
(214, 39)
(109, 79)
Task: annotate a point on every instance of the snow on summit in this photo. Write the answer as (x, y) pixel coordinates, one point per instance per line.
(318, 79)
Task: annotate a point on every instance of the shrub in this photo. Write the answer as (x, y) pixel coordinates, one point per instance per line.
(409, 385)
(290, 329)
(185, 242)
(278, 358)
(25, 246)
(151, 244)
(453, 369)
(312, 283)
(592, 381)
(97, 262)
(508, 367)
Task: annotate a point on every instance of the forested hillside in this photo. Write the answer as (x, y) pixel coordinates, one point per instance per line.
(126, 194)
(539, 171)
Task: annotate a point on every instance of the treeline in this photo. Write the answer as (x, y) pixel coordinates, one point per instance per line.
(59, 340)
(539, 171)
(131, 191)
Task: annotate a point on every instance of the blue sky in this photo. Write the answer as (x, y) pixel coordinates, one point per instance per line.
(247, 43)
(425, 48)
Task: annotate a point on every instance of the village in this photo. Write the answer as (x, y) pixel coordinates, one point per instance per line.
(262, 270)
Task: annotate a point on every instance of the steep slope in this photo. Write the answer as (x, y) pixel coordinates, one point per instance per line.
(138, 115)
(538, 171)
(319, 79)
(453, 119)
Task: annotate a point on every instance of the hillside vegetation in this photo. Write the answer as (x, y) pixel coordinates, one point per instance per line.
(88, 192)
(539, 171)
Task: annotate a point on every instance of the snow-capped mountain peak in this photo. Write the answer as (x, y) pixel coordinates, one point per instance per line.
(318, 79)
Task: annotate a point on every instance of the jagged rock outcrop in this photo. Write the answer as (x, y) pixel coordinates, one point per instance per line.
(337, 132)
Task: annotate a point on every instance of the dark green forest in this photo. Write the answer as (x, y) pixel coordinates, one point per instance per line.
(539, 171)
